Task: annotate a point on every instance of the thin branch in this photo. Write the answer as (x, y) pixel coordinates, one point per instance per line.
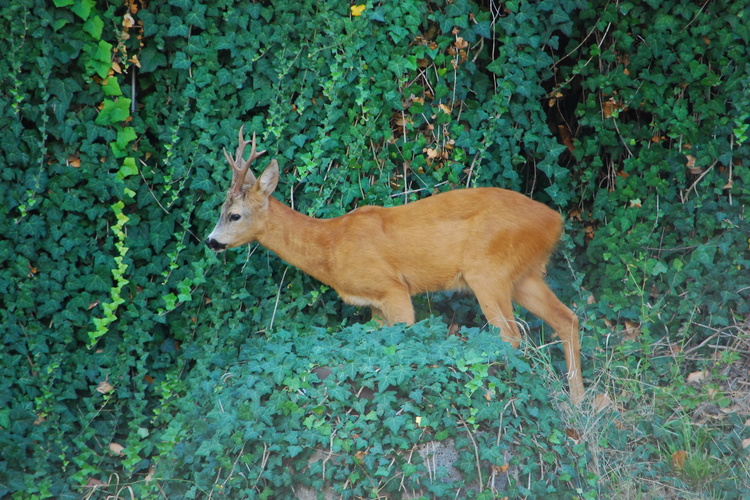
(476, 452)
(700, 177)
(278, 297)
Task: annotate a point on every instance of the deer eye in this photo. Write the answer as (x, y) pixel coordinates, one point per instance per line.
(235, 217)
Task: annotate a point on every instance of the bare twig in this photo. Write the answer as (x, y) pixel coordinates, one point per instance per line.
(476, 451)
(700, 177)
(278, 297)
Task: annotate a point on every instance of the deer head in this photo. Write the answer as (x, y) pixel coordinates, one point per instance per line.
(243, 213)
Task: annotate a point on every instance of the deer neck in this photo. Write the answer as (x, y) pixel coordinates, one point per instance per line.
(298, 239)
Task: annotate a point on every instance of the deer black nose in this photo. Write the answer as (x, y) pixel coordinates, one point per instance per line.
(215, 245)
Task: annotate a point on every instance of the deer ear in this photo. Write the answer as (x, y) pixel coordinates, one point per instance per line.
(249, 179)
(269, 178)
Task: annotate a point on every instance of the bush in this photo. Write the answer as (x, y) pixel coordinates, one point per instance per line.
(350, 412)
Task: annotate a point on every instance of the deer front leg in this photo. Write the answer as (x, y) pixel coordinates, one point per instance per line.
(395, 308)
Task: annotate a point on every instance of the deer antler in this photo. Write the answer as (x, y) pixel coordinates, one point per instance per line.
(239, 166)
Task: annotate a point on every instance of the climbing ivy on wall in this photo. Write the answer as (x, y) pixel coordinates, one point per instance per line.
(664, 178)
(630, 118)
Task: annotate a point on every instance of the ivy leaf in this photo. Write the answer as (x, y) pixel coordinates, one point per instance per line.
(483, 28)
(377, 14)
(395, 423)
(196, 15)
(392, 336)
(64, 89)
(94, 27)
(124, 137)
(201, 180)
(181, 61)
(99, 61)
(496, 67)
(111, 87)
(151, 58)
(82, 8)
(114, 111)
(160, 233)
(97, 281)
(457, 8)
(128, 168)
(177, 28)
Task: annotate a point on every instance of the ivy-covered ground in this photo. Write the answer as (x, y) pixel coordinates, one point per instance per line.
(136, 363)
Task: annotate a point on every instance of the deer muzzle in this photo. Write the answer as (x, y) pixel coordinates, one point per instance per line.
(215, 245)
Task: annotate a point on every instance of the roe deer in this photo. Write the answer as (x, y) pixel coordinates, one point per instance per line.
(491, 241)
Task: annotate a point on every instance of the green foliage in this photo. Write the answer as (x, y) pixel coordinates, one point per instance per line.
(349, 410)
(119, 327)
(666, 168)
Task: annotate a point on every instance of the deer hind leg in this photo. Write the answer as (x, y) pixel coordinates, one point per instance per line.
(494, 298)
(534, 294)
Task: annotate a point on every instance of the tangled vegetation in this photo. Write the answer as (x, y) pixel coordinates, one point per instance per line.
(136, 362)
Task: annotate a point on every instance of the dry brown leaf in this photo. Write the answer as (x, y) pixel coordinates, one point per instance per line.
(431, 153)
(444, 108)
(602, 401)
(503, 469)
(566, 138)
(104, 387)
(116, 448)
(678, 459)
(674, 348)
(150, 475)
(746, 443)
(573, 434)
(691, 165)
(697, 377)
(553, 97)
(610, 106)
(94, 483)
(461, 43)
(632, 330)
(74, 161)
